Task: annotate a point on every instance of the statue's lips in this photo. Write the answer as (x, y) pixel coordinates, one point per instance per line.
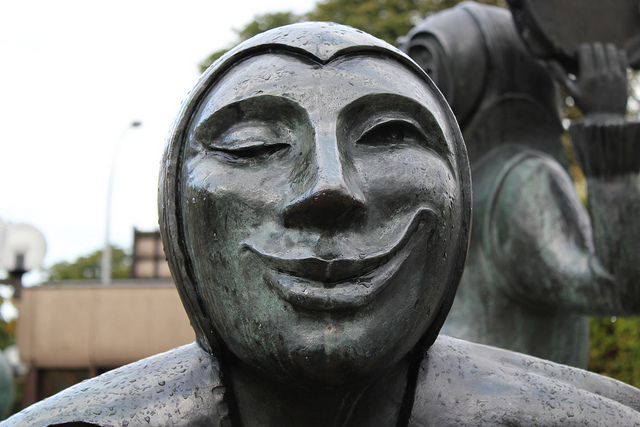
(339, 283)
(329, 272)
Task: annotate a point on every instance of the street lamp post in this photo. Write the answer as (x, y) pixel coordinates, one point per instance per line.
(106, 253)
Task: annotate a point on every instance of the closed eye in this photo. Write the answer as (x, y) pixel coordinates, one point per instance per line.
(257, 151)
(251, 141)
(392, 132)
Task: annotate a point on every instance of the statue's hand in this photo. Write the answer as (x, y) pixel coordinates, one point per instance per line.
(601, 86)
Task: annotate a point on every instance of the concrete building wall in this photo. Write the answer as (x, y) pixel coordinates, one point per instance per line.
(90, 325)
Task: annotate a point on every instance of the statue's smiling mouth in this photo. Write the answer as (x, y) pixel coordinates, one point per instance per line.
(314, 283)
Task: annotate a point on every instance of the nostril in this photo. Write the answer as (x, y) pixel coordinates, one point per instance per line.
(325, 208)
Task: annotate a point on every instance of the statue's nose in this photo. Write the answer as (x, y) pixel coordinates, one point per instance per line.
(333, 199)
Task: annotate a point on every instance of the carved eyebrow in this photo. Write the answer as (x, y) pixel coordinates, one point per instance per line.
(363, 113)
(262, 107)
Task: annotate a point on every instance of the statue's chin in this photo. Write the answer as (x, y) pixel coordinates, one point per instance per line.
(318, 368)
(344, 376)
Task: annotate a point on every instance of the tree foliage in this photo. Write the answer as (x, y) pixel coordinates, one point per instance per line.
(615, 348)
(89, 267)
(7, 333)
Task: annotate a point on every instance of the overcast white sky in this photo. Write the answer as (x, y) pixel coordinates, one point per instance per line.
(74, 75)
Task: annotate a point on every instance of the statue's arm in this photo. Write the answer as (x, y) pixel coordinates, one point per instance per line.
(549, 251)
(608, 150)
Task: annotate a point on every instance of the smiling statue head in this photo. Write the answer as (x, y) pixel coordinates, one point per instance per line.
(315, 205)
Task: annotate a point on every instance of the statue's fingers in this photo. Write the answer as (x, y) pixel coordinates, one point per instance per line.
(586, 64)
(600, 62)
(611, 53)
(616, 60)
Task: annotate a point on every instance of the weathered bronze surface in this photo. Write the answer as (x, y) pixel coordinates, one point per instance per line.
(539, 263)
(557, 28)
(315, 208)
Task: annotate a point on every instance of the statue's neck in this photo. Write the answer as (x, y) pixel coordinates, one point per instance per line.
(261, 401)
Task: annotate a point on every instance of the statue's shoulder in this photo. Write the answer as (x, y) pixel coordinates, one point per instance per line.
(181, 387)
(463, 383)
(491, 169)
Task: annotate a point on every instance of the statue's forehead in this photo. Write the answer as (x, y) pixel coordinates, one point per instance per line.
(340, 81)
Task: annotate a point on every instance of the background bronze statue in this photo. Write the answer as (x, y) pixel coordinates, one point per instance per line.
(555, 29)
(315, 207)
(539, 263)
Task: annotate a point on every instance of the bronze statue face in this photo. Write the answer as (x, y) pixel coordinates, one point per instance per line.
(320, 205)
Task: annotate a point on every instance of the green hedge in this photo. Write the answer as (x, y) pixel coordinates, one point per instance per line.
(615, 348)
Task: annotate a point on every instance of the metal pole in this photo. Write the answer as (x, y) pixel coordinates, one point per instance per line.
(106, 252)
